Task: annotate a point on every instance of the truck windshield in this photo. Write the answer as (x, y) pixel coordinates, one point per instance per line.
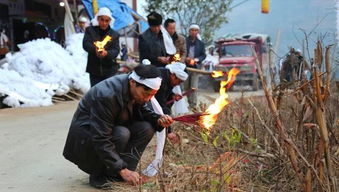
(236, 51)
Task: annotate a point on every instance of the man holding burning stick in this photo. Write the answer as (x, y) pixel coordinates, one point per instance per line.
(195, 55)
(172, 75)
(113, 125)
(102, 44)
(178, 40)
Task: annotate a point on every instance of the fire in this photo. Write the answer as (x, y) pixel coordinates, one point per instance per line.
(216, 74)
(101, 44)
(192, 62)
(175, 58)
(213, 110)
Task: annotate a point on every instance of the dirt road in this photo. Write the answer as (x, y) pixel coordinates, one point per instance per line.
(31, 143)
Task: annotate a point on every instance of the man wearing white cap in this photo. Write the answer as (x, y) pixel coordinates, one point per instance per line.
(82, 25)
(172, 75)
(101, 63)
(195, 55)
(195, 47)
(113, 125)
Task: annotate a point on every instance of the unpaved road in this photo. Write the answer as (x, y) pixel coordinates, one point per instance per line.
(31, 143)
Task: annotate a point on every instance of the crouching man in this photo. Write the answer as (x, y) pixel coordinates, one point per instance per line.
(113, 125)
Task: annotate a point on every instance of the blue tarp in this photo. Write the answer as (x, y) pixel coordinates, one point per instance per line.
(120, 12)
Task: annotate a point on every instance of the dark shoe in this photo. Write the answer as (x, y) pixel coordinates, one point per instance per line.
(100, 182)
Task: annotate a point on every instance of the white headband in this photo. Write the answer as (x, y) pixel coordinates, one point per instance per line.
(178, 69)
(153, 83)
(194, 26)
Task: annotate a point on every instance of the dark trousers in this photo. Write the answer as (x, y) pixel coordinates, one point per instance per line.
(130, 142)
(94, 79)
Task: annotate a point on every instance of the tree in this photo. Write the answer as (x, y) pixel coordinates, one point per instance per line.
(208, 14)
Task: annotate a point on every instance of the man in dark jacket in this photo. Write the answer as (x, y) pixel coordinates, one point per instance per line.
(195, 55)
(112, 126)
(172, 75)
(195, 48)
(101, 63)
(151, 43)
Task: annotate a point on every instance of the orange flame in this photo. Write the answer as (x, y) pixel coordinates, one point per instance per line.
(216, 74)
(176, 58)
(213, 110)
(101, 44)
(191, 62)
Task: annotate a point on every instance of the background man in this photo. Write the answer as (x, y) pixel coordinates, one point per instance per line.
(101, 64)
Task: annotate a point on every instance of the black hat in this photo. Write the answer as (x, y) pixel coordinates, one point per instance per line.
(154, 18)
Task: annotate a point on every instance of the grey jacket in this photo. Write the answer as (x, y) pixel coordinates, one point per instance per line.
(98, 113)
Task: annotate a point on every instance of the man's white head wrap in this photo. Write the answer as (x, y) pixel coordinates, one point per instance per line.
(153, 83)
(195, 26)
(103, 11)
(83, 19)
(178, 69)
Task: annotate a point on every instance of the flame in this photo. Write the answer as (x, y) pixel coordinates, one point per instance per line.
(176, 57)
(208, 120)
(101, 44)
(216, 74)
(192, 62)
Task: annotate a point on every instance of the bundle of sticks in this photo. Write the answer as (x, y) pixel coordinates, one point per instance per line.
(190, 119)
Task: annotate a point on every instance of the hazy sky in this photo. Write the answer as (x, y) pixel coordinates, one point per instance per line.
(288, 16)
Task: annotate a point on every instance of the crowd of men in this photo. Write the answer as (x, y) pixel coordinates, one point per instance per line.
(114, 121)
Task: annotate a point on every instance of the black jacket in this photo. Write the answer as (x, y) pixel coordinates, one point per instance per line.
(165, 92)
(199, 49)
(151, 46)
(98, 112)
(95, 65)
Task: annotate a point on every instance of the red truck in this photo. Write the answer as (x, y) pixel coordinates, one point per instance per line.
(242, 52)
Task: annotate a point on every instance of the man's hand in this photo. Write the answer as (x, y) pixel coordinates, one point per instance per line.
(177, 97)
(165, 121)
(163, 60)
(131, 177)
(101, 53)
(174, 138)
(190, 61)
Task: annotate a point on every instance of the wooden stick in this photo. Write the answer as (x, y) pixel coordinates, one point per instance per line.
(194, 70)
(133, 56)
(75, 93)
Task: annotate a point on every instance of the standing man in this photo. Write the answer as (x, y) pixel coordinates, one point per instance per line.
(113, 125)
(195, 48)
(151, 43)
(195, 55)
(178, 40)
(101, 64)
(4, 44)
(81, 28)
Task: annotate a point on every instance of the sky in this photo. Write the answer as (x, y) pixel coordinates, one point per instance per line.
(286, 16)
